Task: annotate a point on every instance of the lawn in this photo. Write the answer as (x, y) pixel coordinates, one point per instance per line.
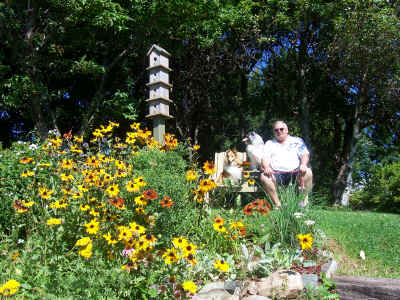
(377, 234)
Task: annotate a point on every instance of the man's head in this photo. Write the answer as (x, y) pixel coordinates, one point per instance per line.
(280, 131)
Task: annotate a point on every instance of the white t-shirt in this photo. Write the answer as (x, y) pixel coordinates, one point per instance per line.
(285, 157)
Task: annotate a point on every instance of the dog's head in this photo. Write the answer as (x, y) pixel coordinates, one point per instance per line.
(231, 155)
(253, 138)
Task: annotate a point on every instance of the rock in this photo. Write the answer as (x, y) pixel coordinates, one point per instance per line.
(231, 286)
(217, 294)
(217, 285)
(281, 284)
(329, 268)
(310, 280)
(256, 297)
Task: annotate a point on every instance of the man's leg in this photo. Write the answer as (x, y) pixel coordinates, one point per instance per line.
(269, 185)
(307, 180)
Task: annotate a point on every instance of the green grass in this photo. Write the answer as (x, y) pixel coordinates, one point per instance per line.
(377, 234)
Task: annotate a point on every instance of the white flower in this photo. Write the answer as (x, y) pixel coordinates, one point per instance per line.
(362, 254)
(309, 222)
(298, 215)
(20, 241)
(33, 146)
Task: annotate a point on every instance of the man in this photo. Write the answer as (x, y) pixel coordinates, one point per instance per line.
(285, 159)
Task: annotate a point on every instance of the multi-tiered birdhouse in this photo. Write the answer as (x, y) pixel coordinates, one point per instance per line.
(159, 88)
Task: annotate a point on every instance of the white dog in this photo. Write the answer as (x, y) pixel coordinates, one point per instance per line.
(254, 149)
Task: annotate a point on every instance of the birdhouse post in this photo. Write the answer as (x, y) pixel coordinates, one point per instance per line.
(159, 88)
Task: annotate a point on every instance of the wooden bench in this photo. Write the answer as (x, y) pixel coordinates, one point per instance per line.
(219, 159)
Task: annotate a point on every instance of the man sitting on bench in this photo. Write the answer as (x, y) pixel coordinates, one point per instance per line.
(285, 159)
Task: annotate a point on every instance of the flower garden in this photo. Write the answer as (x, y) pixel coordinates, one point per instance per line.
(122, 217)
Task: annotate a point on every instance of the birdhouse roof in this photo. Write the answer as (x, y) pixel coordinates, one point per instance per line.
(162, 99)
(158, 49)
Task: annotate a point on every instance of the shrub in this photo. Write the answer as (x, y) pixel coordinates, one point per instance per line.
(382, 191)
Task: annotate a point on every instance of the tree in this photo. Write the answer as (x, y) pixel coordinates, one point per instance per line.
(364, 59)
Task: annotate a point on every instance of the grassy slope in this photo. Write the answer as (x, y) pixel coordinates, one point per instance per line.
(377, 234)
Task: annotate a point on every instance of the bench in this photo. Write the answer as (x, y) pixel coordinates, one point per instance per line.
(219, 159)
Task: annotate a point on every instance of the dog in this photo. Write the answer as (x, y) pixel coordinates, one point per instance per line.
(232, 167)
(255, 149)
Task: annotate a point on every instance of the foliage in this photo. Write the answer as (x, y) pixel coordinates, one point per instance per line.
(381, 191)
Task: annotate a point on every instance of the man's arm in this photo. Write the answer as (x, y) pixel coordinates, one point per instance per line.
(265, 167)
(305, 158)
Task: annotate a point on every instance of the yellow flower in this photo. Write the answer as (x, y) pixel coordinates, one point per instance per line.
(58, 204)
(27, 173)
(109, 239)
(137, 229)
(92, 227)
(246, 174)
(196, 147)
(65, 177)
(207, 185)
(76, 149)
(135, 126)
(191, 175)
(125, 233)
(221, 265)
(84, 207)
(53, 221)
(180, 242)
(250, 181)
(132, 187)
(45, 193)
(78, 139)
(305, 241)
(189, 286)
(209, 168)
(67, 164)
(141, 200)
(140, 181)
(189, 249)
(219, 227)
(113, 190)
(77, 195)
(170, 256)
(83, 242)
(27, 203)
(87, 251)
(9, 288)
(94, 213)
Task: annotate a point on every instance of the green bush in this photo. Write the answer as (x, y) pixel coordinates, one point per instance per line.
(382, 191)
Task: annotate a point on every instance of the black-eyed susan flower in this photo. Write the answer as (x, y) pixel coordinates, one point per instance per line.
(113, 190)
(45, 193)
(67, 164)
(250, 181)
(78, 139)
(125, 233)
(92, 227)
(109, 239)
(53, 221)
(209, 168)
(87, 251)
(82, 242)
(221, 265)
(136, 228)
(219, 227)
(191, 175)
(189, 286)
(27, 173)
(132, 187)
(305, 241)
(180, 242)
(170, 256)
(190, 248)
(9, 288)
(140, 200)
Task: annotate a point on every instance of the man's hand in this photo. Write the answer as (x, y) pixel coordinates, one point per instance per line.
(267, 171)
(302, 169)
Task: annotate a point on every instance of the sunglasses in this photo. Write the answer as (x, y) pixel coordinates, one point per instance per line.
(279, 129)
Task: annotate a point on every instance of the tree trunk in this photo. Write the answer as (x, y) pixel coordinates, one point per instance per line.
(342, 186)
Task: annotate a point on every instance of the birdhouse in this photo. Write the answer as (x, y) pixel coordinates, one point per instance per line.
(159, 89)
